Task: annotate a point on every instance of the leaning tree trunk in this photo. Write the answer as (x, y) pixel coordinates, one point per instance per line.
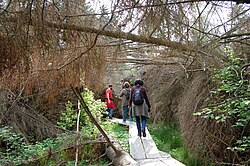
(123, 159)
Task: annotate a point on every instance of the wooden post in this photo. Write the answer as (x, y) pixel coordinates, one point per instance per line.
(77, 132)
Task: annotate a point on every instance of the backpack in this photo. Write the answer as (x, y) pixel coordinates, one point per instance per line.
(127, 94)
(137, 97)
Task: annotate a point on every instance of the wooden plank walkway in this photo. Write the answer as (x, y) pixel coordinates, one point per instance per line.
(144, 150)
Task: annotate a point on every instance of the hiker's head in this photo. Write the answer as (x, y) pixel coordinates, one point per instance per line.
(126, 84)
(110, 86)
(138, 82)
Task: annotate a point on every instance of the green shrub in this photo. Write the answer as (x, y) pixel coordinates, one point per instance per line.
(230, 100)
(21, 153)
(17, 152)
(68, 119)
(13, 141)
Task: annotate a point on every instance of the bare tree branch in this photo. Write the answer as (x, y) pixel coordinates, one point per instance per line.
(236, 35)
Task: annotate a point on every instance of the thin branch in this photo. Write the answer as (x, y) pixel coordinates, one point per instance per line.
(94, 43)
(77, 132)
(236, 35)
(5, 10)
(200, 13)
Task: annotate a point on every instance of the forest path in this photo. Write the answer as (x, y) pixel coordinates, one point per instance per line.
(144, 150)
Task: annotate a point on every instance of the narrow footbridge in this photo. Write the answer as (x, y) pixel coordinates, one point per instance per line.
(144, 151)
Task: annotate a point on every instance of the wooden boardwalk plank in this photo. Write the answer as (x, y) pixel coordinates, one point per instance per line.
(150, 147)
(136, 148)
(144, 150)
(171, 162)
(159, 162)
(151, 162)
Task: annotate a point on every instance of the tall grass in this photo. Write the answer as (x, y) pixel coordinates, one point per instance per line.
(168, 139)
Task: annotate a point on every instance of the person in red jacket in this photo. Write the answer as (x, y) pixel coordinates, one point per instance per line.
(109, 101)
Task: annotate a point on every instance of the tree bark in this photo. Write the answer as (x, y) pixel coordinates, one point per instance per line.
(114, 34)
(124, 159)
(122, 35)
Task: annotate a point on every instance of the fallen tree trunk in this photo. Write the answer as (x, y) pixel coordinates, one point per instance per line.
(124, 159)
(113, 151)
(108, 33)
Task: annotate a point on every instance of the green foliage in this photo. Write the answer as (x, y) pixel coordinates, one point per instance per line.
(18, 152)
(13, 145)
(172, 140)
(26, 154)
(172, 143)
(12, 140)
(68, 119)
(95, 106)
(230, 100)
(118, 132)
(242, 144)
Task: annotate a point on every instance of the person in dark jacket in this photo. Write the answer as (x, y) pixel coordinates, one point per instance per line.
(140, 112)
(125, 93)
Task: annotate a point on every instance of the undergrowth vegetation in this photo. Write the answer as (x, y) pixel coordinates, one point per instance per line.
(228, 104)
(168, 139)
(68, 118)
(118, 132)
(62, 149)
(53, 151)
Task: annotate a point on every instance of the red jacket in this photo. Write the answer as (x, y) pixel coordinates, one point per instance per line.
(109, 95)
